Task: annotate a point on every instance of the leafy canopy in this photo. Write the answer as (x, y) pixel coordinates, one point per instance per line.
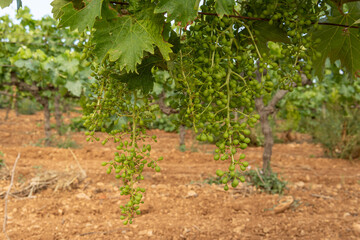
(41, 55)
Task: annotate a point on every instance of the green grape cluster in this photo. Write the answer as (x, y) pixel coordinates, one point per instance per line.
(219, 96)
(221, 71)
(294, 19)
(109, 102)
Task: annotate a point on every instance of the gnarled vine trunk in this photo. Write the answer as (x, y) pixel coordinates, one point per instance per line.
(47, 126)
(265, 112)
(182, 135)
(57, 113)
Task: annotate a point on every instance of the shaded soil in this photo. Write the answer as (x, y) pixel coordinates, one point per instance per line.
(178, 203)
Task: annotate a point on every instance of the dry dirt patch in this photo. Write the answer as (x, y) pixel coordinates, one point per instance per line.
(178, 204)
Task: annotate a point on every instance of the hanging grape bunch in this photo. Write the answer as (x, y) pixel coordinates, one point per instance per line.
(222, 70)
(109, 100)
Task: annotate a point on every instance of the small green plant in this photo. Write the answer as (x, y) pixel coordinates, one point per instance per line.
(182, 148)
(37, 167)
(267, 183)
(27, 106)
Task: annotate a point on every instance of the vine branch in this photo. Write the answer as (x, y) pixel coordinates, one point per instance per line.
(251, 18)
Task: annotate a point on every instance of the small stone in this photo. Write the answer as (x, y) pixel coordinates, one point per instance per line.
(299, 184)
(338, 186)
(237, 206)
(347, 215)
(284, 204)
(82, 196)
(307, 178)
(191, 194)
(100, 184)
(239, 229)
(147, 232)
(316, 186)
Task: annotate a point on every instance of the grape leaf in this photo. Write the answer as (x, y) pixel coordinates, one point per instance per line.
(267, 33)
(5, 3)
(183, 11)
(58, 4)
(339, 43)
(80, 19)
(125, 38)
(56, 7)
(224, 7)
(144, 79)
(75, 87)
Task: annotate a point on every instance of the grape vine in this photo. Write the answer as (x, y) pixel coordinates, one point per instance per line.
(222, 55)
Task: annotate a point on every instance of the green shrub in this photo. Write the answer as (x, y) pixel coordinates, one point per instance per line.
(338, 130)
(266, 183)
(27, 106)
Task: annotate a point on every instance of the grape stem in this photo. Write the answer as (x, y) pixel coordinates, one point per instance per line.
(238, 75)
(228, 110)
(253, 39)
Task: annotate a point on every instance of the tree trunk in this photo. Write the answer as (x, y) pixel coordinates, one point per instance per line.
(8, 109)
(268, 140)
(58, 114)
(47, 127)
(66, 108)
(16, 104)
(265, 112)
(12, 99)
(182, 135)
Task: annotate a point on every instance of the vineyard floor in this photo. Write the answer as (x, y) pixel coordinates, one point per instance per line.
(178, 202)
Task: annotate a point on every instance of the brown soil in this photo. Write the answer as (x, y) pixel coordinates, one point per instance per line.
(324, 193)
